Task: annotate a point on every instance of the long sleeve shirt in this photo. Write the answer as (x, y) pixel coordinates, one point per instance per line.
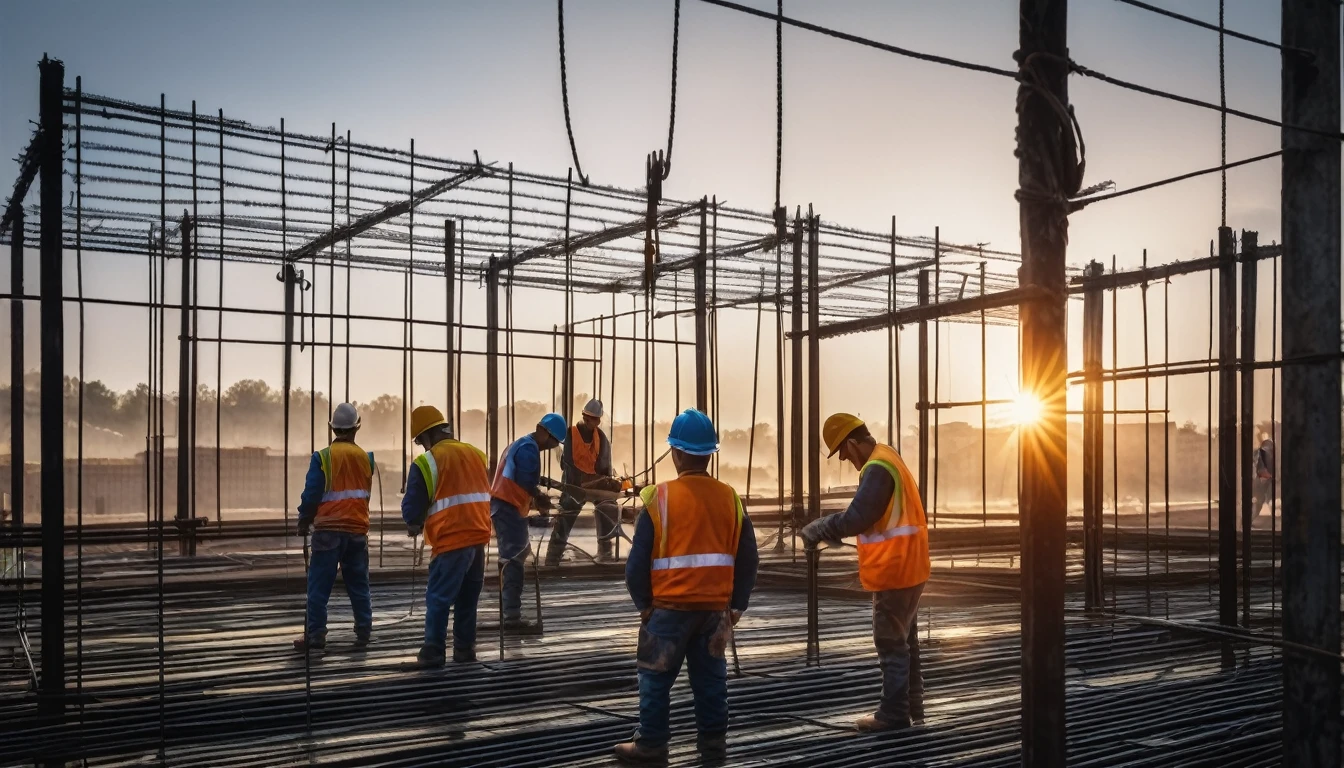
(639, 565)
(527, 465)
(417, 499)
(314, 485)
(875, 491)
(571, 474)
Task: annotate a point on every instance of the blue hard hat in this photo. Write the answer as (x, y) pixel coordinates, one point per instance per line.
(555, 424)
(692, 432)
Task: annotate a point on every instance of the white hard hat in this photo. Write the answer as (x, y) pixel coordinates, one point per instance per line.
(345, 417)
(593, 408)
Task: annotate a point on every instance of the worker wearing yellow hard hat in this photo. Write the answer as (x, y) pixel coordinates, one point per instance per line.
(887, 516)
(448, 497)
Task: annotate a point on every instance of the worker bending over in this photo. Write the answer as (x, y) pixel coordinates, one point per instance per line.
(448, 497)
(690, 573)
(586, 457)
(888, 518)
(512, 494)
(335, 507)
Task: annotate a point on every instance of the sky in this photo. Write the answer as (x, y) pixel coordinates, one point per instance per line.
(867, 134)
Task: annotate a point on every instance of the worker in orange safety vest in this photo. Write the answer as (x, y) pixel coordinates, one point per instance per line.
(887, 516)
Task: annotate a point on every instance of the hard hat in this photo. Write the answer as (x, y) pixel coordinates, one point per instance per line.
(692, 432)
(837, 428)
(423, 418)
(593, 408)
(555, 424)
(344, 417)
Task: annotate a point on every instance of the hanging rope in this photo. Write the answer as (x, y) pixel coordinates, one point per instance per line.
(779, 96)
(672, 112)
(1222, 103)
(564, 93)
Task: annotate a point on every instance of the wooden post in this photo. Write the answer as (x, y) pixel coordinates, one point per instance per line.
(1311, 385)
(1093, 299)
(1227, 428)
(1249, 269)
(922, 405)
(796, 376)
(16, 385)
(701, 316)
(1042, 503)
(492, 361)
(450, 294)
(813, 372)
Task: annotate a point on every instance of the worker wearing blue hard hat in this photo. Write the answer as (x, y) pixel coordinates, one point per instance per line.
(512, 493)
(691, 570)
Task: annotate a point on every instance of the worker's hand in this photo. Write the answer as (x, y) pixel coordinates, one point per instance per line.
(645, 614)
(542, 503)
(814, 533)
(305, 527)
(734, 616)
(413, 530)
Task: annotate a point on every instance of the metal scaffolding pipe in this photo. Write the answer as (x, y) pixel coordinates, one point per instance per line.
(1093, 302)
(1249, 274)
(1227, 429)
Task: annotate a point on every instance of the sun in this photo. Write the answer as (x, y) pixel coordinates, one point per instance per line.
(1027, 409)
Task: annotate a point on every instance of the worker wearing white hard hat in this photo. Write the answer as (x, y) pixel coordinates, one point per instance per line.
(585, 460)
(335, 507)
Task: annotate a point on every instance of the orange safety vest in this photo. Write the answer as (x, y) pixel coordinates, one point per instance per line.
(504, 488)
(459, 489)
(584, 455)
(697, 521)
(345, 497)
(894, 553)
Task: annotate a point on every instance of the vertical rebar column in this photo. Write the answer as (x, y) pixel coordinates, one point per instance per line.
(701, 315)
(449, 273)
(51, 702)
(1250, 266)
(781, 230)
(492, 361)
(1311, 394)
(16, 383)
(1227, 429)
(984, 413)
(186, 544)
(1093, 299)
(922, 405)
(813, 371)
(1042, 450)
(796, 377)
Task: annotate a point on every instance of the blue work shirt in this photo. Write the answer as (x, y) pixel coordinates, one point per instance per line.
(639, 565)
(315, 484)
(416, 501)
(522, 463)
(875, 491)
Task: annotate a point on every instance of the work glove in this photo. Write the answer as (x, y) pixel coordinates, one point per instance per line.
(814, 533)
(414, 529)
(542, 503)
(305, 527)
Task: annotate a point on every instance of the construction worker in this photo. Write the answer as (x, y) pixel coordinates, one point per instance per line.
(515, 491)
(448, 497)
(335, 507)
(1262, 488)
(586, 457)
(691, 569)
(887, 516)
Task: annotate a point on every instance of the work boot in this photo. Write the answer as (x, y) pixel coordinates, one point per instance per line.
(464, 655)
(712, 744)
(874, 723)
(917, 709)
(604, 552)
(430, 657)
(317, 643)
(362, 638)
(639, 752)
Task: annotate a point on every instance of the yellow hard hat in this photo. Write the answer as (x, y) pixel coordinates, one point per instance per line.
(837, 428)
(423, 418)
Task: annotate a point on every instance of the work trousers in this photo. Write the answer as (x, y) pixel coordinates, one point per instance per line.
(511, 540)
(606, 513)
(455, 581)
(349, 553)
(896, 635)
(665, 640)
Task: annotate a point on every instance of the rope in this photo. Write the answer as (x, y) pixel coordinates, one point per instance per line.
(1189, 20)
(1078, 203)
(779, 96)
(1222, 102)
(672, 112)
(564, 93)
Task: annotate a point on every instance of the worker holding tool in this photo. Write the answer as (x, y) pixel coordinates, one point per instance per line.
(887, 516)
(586, 459)
(335, 507)
(515, 491)
(448, 497)
(691, 569)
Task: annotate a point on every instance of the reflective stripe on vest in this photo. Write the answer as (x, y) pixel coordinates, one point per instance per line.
(890, 533)
(458, 500)
(343, 495)
(693, 561)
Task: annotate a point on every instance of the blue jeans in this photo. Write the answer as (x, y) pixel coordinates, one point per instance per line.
(348, 552)
(896, 636)
(511, 538)
(455, 581)
(665, 640)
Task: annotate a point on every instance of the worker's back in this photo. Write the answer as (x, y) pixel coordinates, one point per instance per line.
(894, 552)
(459, 488)
(697, 522)
(345, 499)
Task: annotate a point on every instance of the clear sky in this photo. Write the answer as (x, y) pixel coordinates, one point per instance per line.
(867, 134)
